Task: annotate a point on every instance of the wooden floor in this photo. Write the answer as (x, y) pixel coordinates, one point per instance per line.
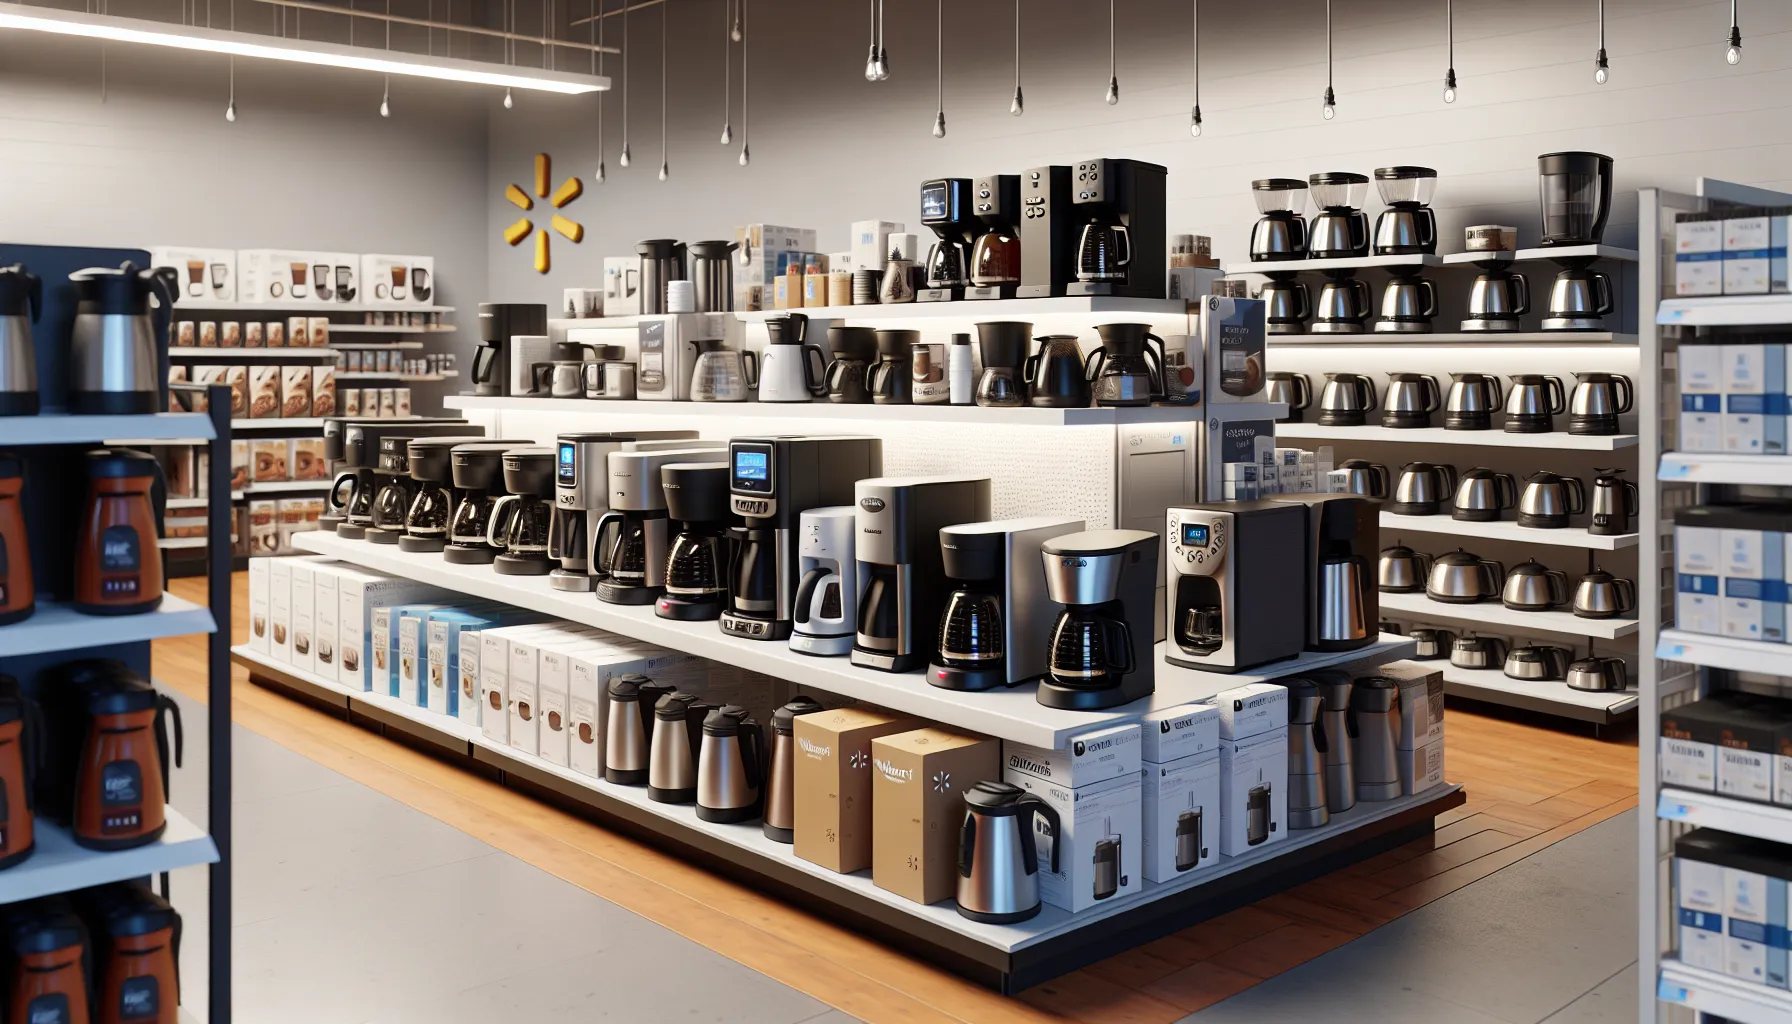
(1527, 787)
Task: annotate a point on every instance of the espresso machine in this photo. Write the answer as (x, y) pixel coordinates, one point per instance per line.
(902, 577)
(1101, 652)
(827, 590)
(996, 626)
(697, 560)
(1048, 233)
(995, 255)
(1121, 247)
(581, 495)
(772, 482)
(1231, 567)
(1407, 227)
(498, 323)
(946, 208)
(1342, 545)
(1341, 228)
(631, 563)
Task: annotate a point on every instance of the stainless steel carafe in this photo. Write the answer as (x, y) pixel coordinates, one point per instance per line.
(116, 345)
(1600, 595)
(780, 785)
(628, 728)
(1538, 663)
(1534, 402)
(731, 766)
(1407, 305)
(1292, 390)
(1613, 505)
(712, 275)
(1597, 401)
(21, 303)
(1346, 400)
(1307, 745)
(1375, 737)
(1595, 673)
(1579, 300)
(672, 750)
(1496, 300)
(1344, 619)
(1343, 306)
(662, 262)
(1463, 578)
(1548, 501)
(1534, 587)
(1287, 306)
(1478, 652)
(1431, 643)
(998, 853)
(1471, 400)
(1482, 494)
(1422, 489)
(1369, 479)
(1410, 400)
(1334, 711)
(1401, 570)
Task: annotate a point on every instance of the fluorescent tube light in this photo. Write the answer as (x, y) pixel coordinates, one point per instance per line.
(244, 44)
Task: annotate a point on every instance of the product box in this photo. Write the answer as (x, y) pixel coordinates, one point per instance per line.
(308, 462)
(1253, 791)
(264, 529)
(267, 459)
(1748, 255)
(871, 243)
(280, 610)
(323, 390)
(254, 334)
(442, 658)
(413, 652)
(264, 391)
(326, 613)
(1755, 913)
(351, 401)
(277, 276)
(1701, 372)
(553, 691)
(1698, 567)
(1687, 750)
(1233, 334)
(1175, 733)
(303, 612)
(1754, 383)
(317, 329)
(298, 333)
(1755, 563)
(359, 595)
(1094, 852)
(1699, 254)
(397, 280)
(917, 805)
(207, 274)
(1699, 895)
(622, 285)
(275, 330)
(1180, 801)
(1184, 367)
(258, 605)
(295, 391)
(230, 334)
(1251, 710)
(239, 464)
(524, 704)
(1191, 284)
(1421, 746)
(833, 784)
(494, 678)
(1089, 757)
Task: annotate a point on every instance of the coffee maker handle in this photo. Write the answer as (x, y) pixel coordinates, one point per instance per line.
(1496, 572)
(1577, 495)
(336, 498)
(500, 519)
(1380, 480)
(599, 563)
(805, 594)
(1428, 233)
(555, 533)
(1499, 390)
(1626, 392)
(1362, 288)
(815, 370)
(1029, 844)
(1303, 389)
(1093, 363)
(169, 712)
(749, 368)
(752, 753)
(1523, 305)
(1121, 633)
(1303, 300)
(1160, 387)
(1363, 384)
(1500, 649)
(1558, 586)
(1434, 394)
(1429, 287)
(1630, 499)
(967, 843)
(1626, 595)
(1507, 486)
(34, 295)
(1124, 237)
(1558, 396)
(1602, 287)
(158, 497)
(1359, 239)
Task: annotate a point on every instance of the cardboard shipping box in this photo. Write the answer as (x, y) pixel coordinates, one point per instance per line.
(833, 784)
(917, 807)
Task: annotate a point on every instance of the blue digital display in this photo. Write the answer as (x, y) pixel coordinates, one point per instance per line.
(567, 470)
(750, 465)
(1194, 535)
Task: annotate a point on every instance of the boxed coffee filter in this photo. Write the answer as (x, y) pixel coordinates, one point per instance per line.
(276, 333)
(351, 401)
(208, 334)
(318, 330)
(238, 379)
(230, 334)
(298, 332)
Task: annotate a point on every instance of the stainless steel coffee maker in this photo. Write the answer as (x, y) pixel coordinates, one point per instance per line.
(1281, 233)
(1407, 227)
(731, 766)
(21, 303)
(118, 342)
(1344, 302)
(1287, 305)
(1101, 649)
(1497, 299)
(1408, 304)
(631, 560)
(996, 625)
(582, 495)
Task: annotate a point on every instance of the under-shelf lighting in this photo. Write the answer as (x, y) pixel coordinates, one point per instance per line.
(241, 44)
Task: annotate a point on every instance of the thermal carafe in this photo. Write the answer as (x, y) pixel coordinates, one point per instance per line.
(662, 262)
(672, 750)
(731, 767)
(998, 854)
(1374, 728)
(21, 303)
(712, 275)
(119, 343)
(1340, 769)
(628, 728)
(1307, 745)
(780, 785)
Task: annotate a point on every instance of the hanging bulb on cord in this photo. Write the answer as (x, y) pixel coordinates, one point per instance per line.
(508, 101)
(727, 134)
(939, 125)
(386, 99)
(664, 170)
(746, 154)
(871, 64)
(1018, 105)
(600, 170)
(1450, 86)
(1194, 121)
(1733, 55)
(1113, 96)
(623, 159)
(230, 112)
(1602, 69)
(1329, 109)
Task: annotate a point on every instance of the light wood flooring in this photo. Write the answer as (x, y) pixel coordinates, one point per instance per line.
(1527, 788)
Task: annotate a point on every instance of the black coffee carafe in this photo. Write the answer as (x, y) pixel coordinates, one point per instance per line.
(520, 520)
(477, 471)
(698, 557)
(1003, 347)
(1126, 370)
(1091, 647)
(854, 349)
(431, 469)
(1055, 377)
(396, 491)
(890, 380)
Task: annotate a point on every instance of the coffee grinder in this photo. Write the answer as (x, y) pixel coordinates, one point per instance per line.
(946, 208)
(1048, 230)
(581, 494)
(822, 614)
(995, 255)
(1101, 652)
(998, 618)
(697, 559)
(902, 577)
(772, 481)
(1342, 547)
(631, 563)
(498, 323)
(1121, 246)
(1280, 235)
(1231, 566)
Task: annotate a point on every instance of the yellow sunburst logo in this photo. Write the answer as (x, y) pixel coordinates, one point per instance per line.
(569, 190)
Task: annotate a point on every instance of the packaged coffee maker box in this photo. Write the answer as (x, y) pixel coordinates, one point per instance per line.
(833, 784)
(295, 391)
(264, 527)
(1232, 336)
(323, 391)
(1097, 843)
(258, 605)
(264, 392)
(918, 782)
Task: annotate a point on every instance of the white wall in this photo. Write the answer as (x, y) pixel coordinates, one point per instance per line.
(830, 148)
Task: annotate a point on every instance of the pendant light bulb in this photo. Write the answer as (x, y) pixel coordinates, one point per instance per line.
(386, 99)
(1113, 95)
(939, 125)
(883, 64)
(1450, 34)
(385, 109)
(508, 101)
(1194, 122)
(665, 171)
(1733, 55)
(1602, 69)
(727, 134)
(1018, 105)
(1450, 86)
(600, 170)
(623, 160)
(871, 64)
(230, 112)
(735, 34)
(746, 154)
(1329, 109)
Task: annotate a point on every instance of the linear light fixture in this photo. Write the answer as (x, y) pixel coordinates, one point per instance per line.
(244, 44)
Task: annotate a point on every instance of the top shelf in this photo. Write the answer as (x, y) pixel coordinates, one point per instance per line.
(968, 309)
(1023, 416)
(1604, 252)
(1726, 311)
(304, 307)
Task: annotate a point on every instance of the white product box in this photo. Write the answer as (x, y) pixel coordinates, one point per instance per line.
(554, 691)
(1181, 815)
(1699, 889)
(1098, 842)
(1746, 774)
(452, 659)
(1754, 909)
(359, 594)
(413, 653)
(1090, 757)
(258, 604)
(1175, 733)
(1702, 380)
(280, 609)
(1688, 764)
(1698, 573)
(388, 280)
(1699, 255)
(1253, 784)
(280, 277)
(590, 669)
(326, 611)
(508, 658)
(1190, 284)
(301, 608)
(206, 274)
(871, 242)
(1754, 399)
(1748, 257)
(388, 674)
(1251, 710)
(622, 285)
(1753, 606)
(494, 680)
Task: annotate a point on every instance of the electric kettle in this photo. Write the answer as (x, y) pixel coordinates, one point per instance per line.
(731, 766)
(1533, 587)
(1292, 390)
(1597, 401)
(1422, 489)
(1533, 403)
(1410, 400)
(628, 728)
(1408, 304)
(1613, 505)
(1539, 663)
(1340, 770)
(18, 594)
(136, 946)
(1548, 501)
(1600, 595)
(1374, 727)
(1471, 400)
(780, 786)
(722, 374)
(1430, 643)
(1369, 479)
(1478, 652)
(21, 762)
(1482, 494)
(791, 369)
(118, 555)
(998, 853)
(47, 963)
(1402, 570)
(1346, 400)
(672, 752)
(1595, 673)
(1463, 578)
(119, 343)
(21, 303)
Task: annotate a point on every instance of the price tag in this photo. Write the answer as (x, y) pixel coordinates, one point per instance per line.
(1669, 992)
(1678, 470)
(1672, 811)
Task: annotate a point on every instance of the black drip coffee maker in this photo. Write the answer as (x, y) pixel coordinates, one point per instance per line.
(1003, 346)
(697, 560)
(477, 471)
(520, 520)
(1126, 369)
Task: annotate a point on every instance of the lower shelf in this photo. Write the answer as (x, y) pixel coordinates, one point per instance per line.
(1495, 617)
(1551, 698)
(1709, 810)
(1737, 1001)
(1008, 957)
(59, 865)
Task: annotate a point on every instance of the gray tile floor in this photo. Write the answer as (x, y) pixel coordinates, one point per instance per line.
(352, 908)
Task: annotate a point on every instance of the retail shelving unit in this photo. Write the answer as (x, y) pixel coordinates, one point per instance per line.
(56, 632)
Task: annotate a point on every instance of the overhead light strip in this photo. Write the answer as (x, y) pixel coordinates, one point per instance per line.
(242, 44)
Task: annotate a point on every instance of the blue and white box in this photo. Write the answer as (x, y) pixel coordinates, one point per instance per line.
(1701, 372)
(1754, 600)
(1748, 254)
(1699, 254)
(1754, 399)
(1698, 569)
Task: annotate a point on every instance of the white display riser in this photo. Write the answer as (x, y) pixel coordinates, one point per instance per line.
(1493, 616)
(747, 845)
(1550, 697)
(1505, 530)
(1728, 814)
(1558, 440)
(59, 864)
(1737, 1001)
(1009, 714)
(59, 627)
(1725, 468)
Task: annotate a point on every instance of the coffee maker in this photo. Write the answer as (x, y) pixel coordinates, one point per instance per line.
(1497, 298)
(1341, 229)
(1231, 567)
(1048, 233)
(995, 255)
(394, 489)
(1287, 305)
(431, 470)
(1407, 227)
(498, 323)
(902, 578)
(1281, 233)
(668, 347)
(1101, 653)
(1576, 197)
(1342, 545)
(772, 481)
(822, 612)
(581, 494)
(1121, 246)
(360, 466)
(996, 626)
(478, 474)
(631, 564)
(1580, 298)
(946, 208)
(520, 519)
(697, 560)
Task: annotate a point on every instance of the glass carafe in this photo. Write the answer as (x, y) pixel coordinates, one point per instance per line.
(470, 517)
(971, 629)
(1000, 387)
(694, 563)
(392, 504)
(627, 561)
(1089, 648)
(519, 524)
(721, 374)
(428, 515)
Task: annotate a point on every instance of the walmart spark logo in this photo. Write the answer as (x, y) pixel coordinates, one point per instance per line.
(568, 191)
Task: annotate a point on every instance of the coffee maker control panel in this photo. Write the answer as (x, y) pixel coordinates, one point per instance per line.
(1197, 542)
(1093, 183)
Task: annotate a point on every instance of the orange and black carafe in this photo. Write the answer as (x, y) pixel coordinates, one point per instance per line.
(17, 595)
(21, 759)
(47, 976)
(118, 559)
(136, 954)
(121, 787)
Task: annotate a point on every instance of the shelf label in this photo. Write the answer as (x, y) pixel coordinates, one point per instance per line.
(1670, 810)
(1678, 470)
(1668, 992)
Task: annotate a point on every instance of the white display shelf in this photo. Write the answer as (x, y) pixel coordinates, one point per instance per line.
(1451, 259)
(1549, 696)
(231, 355)
(1459, 338)
(402, 378)
(1709, 810)
(180, 543)
(1572, 537)
(189, 502)
(57, 428)
(379, 346)
(1343, 263)
(1556, 440)
(1559, 252)
(390, 329)
(275, 423)
(1725, 652)
(1023, 416)
(1737, 1001)
(1725, 468)
(970, 309)
(1010, 714)
(319, 308)
(283, 487)
(1726, 311)
(60, 865)
(59, 627)
(1494, 616)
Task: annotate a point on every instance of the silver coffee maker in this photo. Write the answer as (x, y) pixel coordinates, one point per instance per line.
(631, 561)
(1341, 228)
(118, 342)
(902, 578)
(1281, 233)
(827, 582)
(1102, 653)
(1407, 227)
(582, 495)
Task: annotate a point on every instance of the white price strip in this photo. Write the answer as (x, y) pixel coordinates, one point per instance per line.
(1672, 811)
(1668, 992)
(1679, 470)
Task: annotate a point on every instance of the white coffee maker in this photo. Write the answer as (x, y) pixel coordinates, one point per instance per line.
(825, 607)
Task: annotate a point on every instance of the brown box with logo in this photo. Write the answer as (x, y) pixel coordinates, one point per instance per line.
(833, 784)
(918, 782)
